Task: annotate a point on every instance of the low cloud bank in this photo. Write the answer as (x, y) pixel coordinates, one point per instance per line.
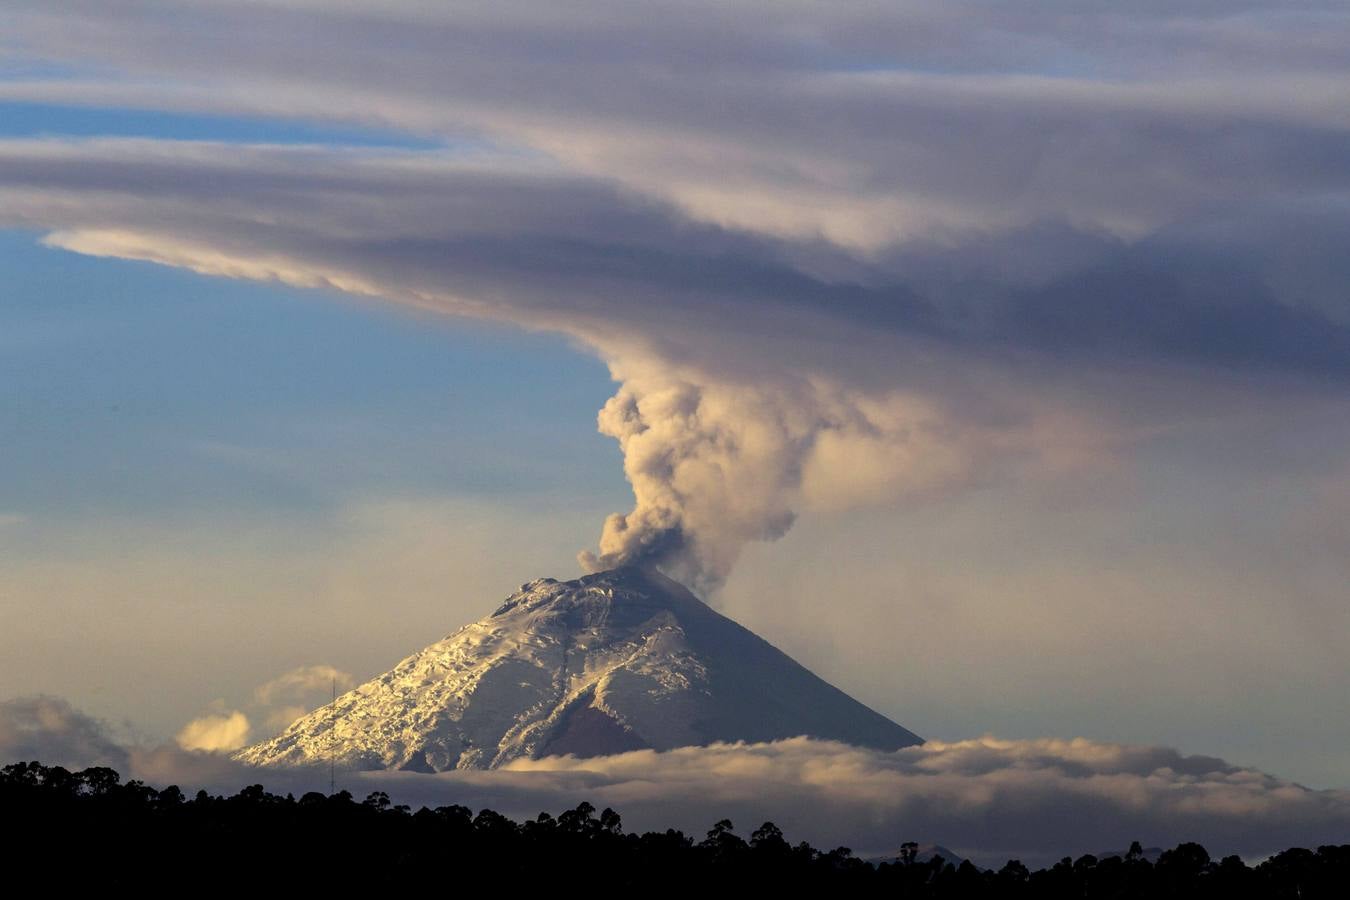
(988, 798)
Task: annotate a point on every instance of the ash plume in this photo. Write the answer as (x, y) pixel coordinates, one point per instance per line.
(757, 245)
(716, 465)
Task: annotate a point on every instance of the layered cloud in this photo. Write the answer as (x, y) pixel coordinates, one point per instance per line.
(835, 257)
(991, 798)
(866, 124)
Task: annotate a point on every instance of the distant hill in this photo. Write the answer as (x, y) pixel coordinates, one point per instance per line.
(924, 853)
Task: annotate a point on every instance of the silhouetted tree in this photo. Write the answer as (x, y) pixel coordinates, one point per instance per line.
(332, 844)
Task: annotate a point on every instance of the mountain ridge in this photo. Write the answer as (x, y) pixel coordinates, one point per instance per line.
(619, 660)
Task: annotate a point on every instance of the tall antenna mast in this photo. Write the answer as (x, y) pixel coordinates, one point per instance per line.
(332, 741)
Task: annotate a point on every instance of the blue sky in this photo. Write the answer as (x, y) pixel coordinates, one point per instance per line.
(137, 388)
(52, 120)
(227, 430)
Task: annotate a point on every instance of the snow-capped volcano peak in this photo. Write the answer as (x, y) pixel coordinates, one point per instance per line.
(615, 661)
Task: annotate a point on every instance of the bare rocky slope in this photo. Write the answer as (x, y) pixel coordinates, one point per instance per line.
(616, 661)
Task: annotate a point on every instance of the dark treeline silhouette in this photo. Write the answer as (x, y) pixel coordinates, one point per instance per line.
(87, 828)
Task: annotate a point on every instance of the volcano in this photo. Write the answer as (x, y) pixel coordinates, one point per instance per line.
(620, 660)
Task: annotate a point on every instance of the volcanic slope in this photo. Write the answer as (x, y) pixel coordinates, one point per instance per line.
(616, 661)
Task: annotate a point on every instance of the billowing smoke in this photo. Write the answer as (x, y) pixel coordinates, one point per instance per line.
(715, 465)
(711, 469)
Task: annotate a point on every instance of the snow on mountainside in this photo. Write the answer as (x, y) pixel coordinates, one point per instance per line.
(620, 660)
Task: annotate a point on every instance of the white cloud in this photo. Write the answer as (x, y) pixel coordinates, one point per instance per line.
(216, 733)
(275, 705)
